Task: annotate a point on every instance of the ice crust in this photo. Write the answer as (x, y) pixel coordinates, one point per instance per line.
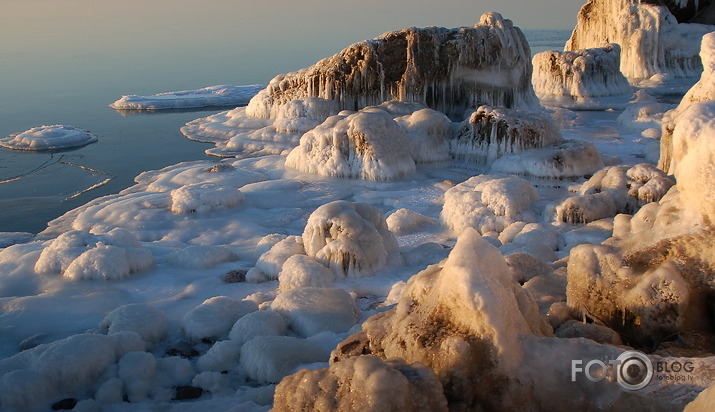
(46, 138)
(221, 95)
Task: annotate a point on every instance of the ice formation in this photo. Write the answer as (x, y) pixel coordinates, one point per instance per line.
(80, 255)
(268, 359)
(449, 70)
(368, 381)
(43, 138)
(221, 95)
(351, 238)
(204, 197)
(492, 132)
(613, 190)
(569, 159)
(269, 264)
(702, 91)
(146, 321)
(428, 132)
(214, 318)
(368, 144)
(260, 323)
(301, 271)
(573, 78)
(311, 310)
(488, 203)
(405, 220)
(652, 41)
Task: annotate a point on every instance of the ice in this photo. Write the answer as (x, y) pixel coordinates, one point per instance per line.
(428, 132)
(368, 144)
(301, 271)
(406, 220)
(204, 197)
(268, 359)
(485, 64)
(574, 79)
(200, 257)
(136, 370)
(488, 203)
(653, 44)
(214, 318)
(43, 138)
(566, 160)
(222, 356)
(221, 95)
(351, 238)
(269, 264)
(146, 321)
(260, 323)
(367, 381)
(492, 132)
(311, 310)
(703, 402)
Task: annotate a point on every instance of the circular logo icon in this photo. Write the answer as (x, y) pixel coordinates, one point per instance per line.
(634, 370)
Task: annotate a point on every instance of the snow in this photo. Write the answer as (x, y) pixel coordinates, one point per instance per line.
(573, 78)
(428, 132)
(566, 160)
(351, 238)
(221, 95)
(270, 263)
(261, 323)
(268, 359)
(311, 310)
(204, 197)
(368, 144)
(146, 321)
(488, 203)
(214, 318)
(406, 220)
(652, 41)
(492, 132)
(301, 271)
(46, 138)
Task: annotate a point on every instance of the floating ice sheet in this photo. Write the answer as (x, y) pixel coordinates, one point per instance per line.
(221, 95)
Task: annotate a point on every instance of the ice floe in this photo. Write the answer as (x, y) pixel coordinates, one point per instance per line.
(221, 95)
(44, 138)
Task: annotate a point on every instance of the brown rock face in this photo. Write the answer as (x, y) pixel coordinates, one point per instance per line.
(449, 70)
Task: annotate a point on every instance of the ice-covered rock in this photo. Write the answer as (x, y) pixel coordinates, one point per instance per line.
(428, 132)
(449, 70)
(406, 220)
(368, 144)
(651, 39)
(80, 255)
(204, 197)
(301, 271)
(489, 203)
(311, 310)
(42, 138)
(569, 159)
(492, 132)
(703, 402)
(269, 264)
(702, 91)
(613, 190)
(574, 78)
(350, 238)
(197, 256)
(268, 359)
(144, 320)
(214, 318)
(362, 383)
(260, 323)
(221, 95)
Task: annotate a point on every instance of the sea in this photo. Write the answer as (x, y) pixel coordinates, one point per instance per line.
(54, 86)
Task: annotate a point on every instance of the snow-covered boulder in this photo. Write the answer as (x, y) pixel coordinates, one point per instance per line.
(428, 132)
(144, 320)
(652, 41)
(613, 190)
(301, 271)
(221, 95)
(269, 264)
(406, 220)
(569, 159)
(80, 255)
(362, 383)
(449, 70)
(702, 91)
(492, 132)
(260, 323)
(368, 144)
(573, 78)
(268, 359)
(350, 238)
(42, 138)
(489, 203)
(311, 310)
(214, 318)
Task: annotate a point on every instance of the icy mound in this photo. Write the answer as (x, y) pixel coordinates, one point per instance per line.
(613, 190)
(80, 255)
(204, 197)
(56, 137)
(367, 381)
(492, 132)
(222, 95)
(702, 91)
(428, 132)
(368, 144)
(301, 271)
(268, 359)
(488, 203)
(574, 78)
(351, 238)
(312, 310)
(652, 41)
(214, 318)
(449, 70)
(570, 159)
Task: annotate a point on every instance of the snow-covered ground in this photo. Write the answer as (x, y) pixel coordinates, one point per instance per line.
(221, 95)
(213, 281)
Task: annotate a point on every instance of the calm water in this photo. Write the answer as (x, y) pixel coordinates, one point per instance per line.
(74, 87)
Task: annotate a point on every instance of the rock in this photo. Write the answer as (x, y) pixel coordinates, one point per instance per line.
(235, 276)
(65, 404)
(593, 331)
(187, 393)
